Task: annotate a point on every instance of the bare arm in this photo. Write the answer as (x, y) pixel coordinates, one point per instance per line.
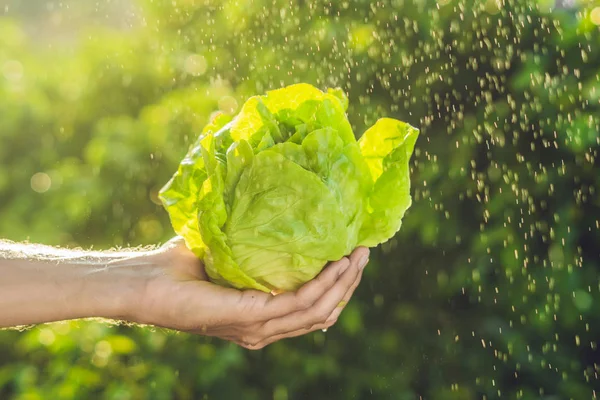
(165, 287)
(43, 284)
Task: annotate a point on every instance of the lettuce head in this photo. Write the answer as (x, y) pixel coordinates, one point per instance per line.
(267, 198)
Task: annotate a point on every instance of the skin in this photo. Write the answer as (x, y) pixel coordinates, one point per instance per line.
(165, 287)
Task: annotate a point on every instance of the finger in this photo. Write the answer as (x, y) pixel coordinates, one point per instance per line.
(318, 312)
(265, 342)
(335, 314)
(340, 307)
(305, 297)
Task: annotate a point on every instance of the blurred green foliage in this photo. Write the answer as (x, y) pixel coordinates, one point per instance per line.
(491, 289)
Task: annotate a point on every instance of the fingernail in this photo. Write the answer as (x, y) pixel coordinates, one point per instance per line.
(363, 261)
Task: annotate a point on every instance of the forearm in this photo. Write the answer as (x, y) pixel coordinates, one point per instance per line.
(43, 284)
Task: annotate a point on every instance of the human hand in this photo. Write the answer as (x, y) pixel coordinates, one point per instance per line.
(178, 295)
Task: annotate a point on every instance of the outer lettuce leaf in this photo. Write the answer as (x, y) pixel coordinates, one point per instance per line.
(272, 233)
(387, 147)
(180, 194)
(212, 215)
(343, 170)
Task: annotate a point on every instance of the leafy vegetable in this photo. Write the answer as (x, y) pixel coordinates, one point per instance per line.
(268, 198)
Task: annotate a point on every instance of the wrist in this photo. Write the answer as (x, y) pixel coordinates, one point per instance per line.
(121, 284)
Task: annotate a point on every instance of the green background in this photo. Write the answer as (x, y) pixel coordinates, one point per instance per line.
(490, 290)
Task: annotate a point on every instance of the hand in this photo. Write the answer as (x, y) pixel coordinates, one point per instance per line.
(178, 295)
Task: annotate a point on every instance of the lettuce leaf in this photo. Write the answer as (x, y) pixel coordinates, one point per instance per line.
(387, 147)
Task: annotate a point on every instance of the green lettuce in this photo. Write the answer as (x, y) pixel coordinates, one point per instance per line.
(268, 198)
